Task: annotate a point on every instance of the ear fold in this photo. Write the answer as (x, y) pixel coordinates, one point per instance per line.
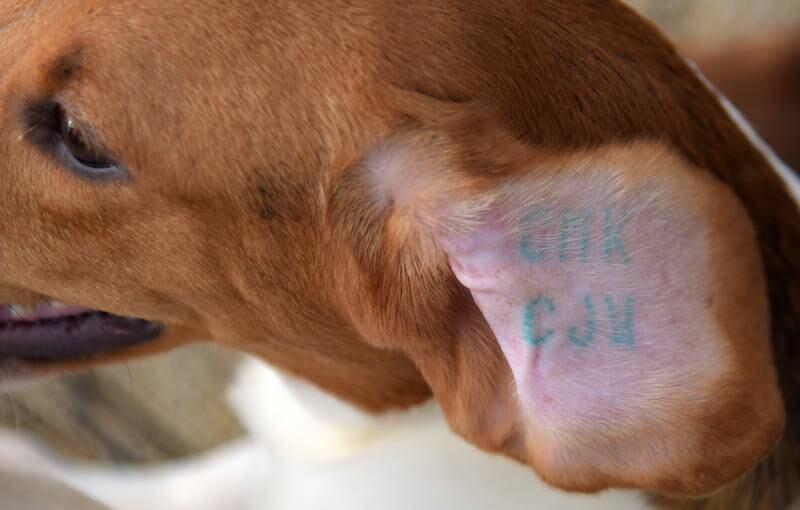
(598, 315)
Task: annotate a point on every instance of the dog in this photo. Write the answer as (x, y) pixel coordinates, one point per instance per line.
(537, 213)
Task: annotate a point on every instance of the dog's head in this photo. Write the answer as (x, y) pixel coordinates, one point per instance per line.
(545, 220)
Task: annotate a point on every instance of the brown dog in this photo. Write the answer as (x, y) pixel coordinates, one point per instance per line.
(534, 211)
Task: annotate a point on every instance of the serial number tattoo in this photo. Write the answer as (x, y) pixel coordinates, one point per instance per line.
(570, 235)
(616, 316)
(578, 236)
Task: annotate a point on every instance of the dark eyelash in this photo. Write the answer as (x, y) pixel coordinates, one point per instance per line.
(44, 123)
(43, 120)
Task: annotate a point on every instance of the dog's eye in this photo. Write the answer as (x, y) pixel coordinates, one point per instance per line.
(81, 148)
(64, 136)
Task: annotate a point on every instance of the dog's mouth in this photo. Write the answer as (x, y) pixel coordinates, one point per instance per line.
(56, 332)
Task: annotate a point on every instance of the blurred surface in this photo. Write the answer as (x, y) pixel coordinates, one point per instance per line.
(172, 406)
(761, 76)
(750, 49)
(168, 406)
(24, 493)
(715, 21)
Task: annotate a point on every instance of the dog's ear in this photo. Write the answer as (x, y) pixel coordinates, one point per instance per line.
(599, 315)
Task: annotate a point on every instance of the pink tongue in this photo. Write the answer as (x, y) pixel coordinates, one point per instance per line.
(44, 310)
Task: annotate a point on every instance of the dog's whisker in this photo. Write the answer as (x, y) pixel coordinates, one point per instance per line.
(30, 129)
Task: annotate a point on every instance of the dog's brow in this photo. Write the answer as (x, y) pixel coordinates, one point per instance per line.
(65, 67)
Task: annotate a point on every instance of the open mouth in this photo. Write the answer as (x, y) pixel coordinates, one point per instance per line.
(55, 332)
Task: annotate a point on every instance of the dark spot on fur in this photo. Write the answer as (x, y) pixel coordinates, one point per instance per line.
(280, 196)
(266, 204)
(67, 67)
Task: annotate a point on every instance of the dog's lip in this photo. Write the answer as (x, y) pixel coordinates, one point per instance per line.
(56, 332)
(44, 310)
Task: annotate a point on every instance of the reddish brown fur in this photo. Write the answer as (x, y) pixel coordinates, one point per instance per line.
(212, 103)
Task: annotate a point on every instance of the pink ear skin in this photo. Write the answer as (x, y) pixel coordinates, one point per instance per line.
(625, 292)
(615, 304)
